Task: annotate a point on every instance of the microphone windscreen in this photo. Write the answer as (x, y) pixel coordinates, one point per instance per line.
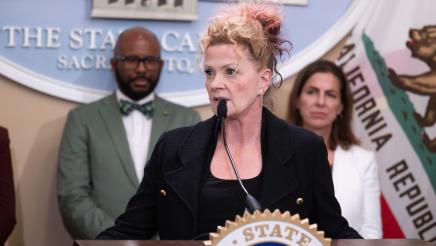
(221, 110)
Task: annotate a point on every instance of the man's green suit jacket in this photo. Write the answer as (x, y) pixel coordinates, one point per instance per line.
(96, 174)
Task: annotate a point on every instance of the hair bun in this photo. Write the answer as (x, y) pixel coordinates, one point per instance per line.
(270, 23)
(268, 16)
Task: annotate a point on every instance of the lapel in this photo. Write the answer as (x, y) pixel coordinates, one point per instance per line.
(278, 146)
(161, 121)
(112, 119)
(185, 179)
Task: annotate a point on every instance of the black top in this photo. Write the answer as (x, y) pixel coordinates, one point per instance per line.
(222, 200)
(219, 199)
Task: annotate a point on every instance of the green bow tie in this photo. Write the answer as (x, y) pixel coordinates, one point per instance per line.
(127, 107)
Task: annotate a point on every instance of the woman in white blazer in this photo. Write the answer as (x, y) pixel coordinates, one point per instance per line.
(321, 101)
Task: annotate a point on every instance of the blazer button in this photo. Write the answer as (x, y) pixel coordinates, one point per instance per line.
(163, 193)
(300, 201)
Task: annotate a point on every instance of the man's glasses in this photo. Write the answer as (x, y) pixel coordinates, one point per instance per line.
(132, 62)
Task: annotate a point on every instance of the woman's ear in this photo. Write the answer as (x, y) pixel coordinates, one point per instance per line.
(264, 80)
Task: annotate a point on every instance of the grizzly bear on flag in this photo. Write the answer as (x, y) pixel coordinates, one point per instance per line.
(422, 44)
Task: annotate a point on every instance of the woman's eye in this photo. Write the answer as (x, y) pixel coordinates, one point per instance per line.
(310, 92)
(208, 72)
(332, 95)
(230, 71)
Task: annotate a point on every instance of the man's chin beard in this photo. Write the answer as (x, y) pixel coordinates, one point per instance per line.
(137, 95)
(129, 92)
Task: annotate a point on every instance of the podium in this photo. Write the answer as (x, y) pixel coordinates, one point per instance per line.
(337, 242)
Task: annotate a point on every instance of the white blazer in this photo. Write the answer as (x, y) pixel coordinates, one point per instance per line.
(357, 189)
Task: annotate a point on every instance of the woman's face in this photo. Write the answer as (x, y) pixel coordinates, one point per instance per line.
(320, 101)
(232, 75)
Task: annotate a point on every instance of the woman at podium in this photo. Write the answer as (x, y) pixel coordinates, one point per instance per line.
(191, 185)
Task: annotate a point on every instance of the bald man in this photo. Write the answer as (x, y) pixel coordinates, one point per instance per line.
(106, 144)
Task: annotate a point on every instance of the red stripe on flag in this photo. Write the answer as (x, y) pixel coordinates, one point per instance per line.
(391, 229)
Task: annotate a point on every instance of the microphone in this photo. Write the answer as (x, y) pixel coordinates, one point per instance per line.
(251, 202)
(221, 109)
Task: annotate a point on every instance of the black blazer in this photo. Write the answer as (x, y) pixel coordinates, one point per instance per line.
(294, 166)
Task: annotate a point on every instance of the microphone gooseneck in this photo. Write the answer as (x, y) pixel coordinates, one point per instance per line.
(251, 202)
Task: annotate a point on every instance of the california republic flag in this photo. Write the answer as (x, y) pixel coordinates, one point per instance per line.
(390, 63)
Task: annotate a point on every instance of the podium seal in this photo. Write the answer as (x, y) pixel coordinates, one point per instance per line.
(268, 229)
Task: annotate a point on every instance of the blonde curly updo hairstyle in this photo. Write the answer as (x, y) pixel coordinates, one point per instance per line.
(255, 25)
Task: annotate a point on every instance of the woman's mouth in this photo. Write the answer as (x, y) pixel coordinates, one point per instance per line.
(217, 99)
(318, 114)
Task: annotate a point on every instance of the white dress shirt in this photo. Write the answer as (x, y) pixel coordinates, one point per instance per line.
(357, 189)
(138, 132)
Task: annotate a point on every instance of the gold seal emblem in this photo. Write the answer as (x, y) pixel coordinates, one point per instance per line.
(268, 229)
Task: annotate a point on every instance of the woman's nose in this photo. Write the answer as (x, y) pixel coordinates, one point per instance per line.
(217, 82)
(320, 100)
